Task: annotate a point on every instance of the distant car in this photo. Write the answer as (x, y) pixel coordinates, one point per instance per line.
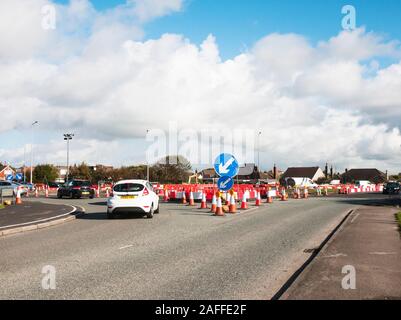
(133, 196)
(76, 189)
(392, 188)
(14, 186)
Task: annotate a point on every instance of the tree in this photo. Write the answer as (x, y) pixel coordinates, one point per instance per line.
(44, 173)
(171, 169)
(80, 172)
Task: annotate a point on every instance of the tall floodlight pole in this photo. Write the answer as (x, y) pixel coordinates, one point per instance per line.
(147, 164)
(32, 141)
(68, 137)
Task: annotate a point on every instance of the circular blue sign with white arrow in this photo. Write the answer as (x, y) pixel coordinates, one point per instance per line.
(10, 177)
(225, 183)
(226, 165)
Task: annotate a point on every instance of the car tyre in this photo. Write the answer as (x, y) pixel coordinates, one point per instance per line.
(157, 211)
(150, 214)
(59, 195)
(110, 216)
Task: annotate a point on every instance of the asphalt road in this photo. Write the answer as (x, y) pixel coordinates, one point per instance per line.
(30, 212)
(180, 254)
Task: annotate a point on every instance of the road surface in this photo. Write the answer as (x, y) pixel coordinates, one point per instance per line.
(180, 254)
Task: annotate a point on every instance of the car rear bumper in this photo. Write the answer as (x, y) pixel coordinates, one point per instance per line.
(134, 210)
(128, 208)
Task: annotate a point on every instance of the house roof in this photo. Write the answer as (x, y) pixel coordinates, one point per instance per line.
(301, 172)
(247, 170)
(365, 174)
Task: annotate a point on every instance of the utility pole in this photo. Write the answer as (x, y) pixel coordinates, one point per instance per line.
(68, 137)
(32, 141)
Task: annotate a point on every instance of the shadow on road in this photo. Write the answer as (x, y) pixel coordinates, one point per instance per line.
(98, 204)
(103, 216)
(375, 200)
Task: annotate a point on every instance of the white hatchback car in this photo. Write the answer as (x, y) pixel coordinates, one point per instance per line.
(133, 196)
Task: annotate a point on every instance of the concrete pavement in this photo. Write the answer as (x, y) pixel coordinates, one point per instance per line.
(180, 254)
(370, 243)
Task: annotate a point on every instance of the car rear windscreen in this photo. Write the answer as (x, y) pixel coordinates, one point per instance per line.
(129, 187)
(81, 184)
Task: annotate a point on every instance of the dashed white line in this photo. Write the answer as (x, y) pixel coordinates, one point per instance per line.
(126, 247)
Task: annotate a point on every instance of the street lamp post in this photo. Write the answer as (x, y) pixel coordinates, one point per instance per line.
(147, 164)
(259, 134)
(68, 137)
(32, 141)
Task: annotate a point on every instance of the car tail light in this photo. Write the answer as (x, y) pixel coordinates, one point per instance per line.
(145, 192)
(76, 188)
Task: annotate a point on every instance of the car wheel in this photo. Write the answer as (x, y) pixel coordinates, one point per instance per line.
(59, 195)
(157, 211)
(110, 216)
(149, 215)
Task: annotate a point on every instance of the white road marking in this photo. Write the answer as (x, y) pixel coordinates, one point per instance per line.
(354, 218)
(126, 247)
(336, 255)
(382, 253)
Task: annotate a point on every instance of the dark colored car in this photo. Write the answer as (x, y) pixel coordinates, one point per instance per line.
(54, 185)
(76, 189)
(392, 188)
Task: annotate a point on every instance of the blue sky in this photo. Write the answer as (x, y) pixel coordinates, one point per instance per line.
(238, 24)
(357, 75)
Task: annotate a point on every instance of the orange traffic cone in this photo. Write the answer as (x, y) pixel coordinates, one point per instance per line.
(203, 203)
(184, 198)
(233, 205)
(244, 204)
(219, 208)
(191, 199)
(18, 197)
(214, 204)
(258, 200)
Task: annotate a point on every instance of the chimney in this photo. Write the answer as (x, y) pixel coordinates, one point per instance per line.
(275, 172)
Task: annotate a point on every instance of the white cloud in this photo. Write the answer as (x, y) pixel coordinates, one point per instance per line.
(330, 102)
